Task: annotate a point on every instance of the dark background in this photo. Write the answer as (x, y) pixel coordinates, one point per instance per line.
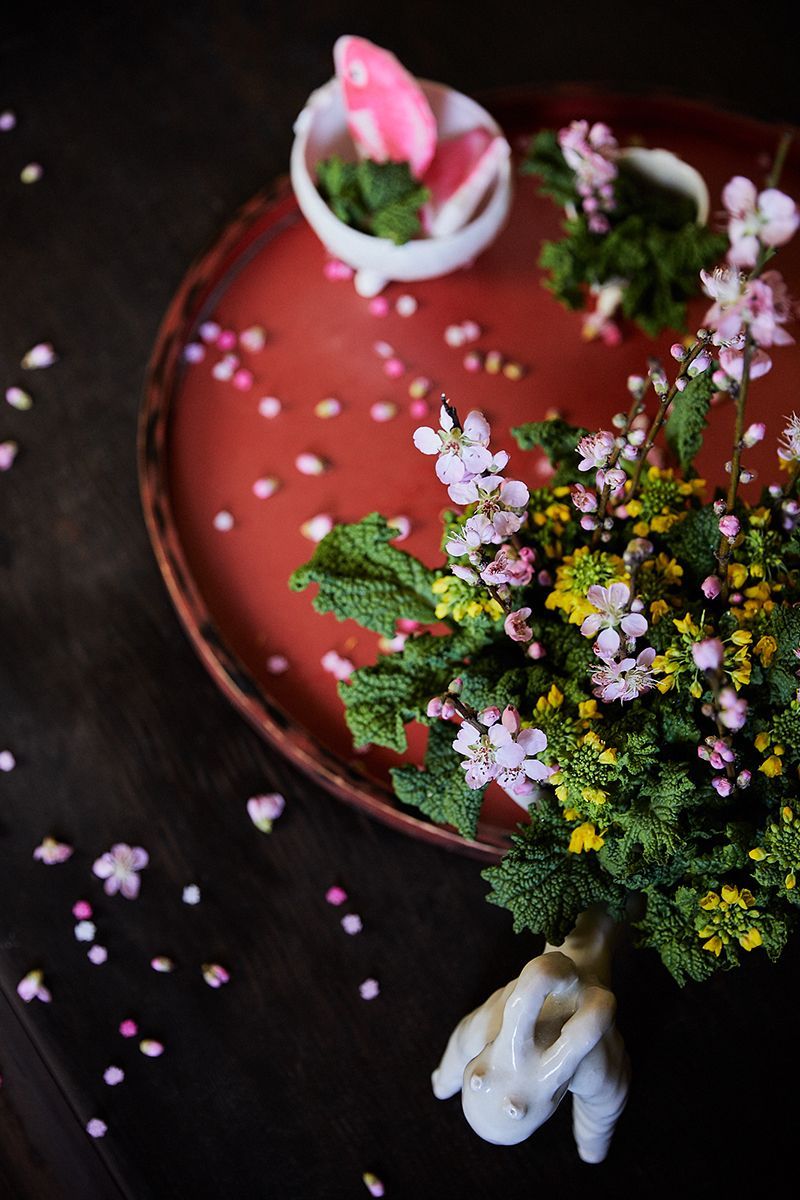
(154, 122)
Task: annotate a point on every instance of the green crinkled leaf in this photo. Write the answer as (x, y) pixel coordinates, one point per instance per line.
(693, 541)
(440, 790)
(363, 577)
(380, 700)
(784, 627)
(383, 199)
(668, 927)
(687, 419)
(544, 158)
(542, 884)
(558, 439)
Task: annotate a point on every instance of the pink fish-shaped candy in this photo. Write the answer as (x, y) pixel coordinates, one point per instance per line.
(462, 170)
(387, 114)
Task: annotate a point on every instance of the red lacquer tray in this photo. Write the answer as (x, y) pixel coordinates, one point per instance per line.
(203, 443)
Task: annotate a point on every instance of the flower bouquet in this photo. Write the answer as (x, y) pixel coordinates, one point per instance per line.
(618, 650)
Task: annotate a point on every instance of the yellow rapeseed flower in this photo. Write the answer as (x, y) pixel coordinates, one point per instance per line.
(585, 838)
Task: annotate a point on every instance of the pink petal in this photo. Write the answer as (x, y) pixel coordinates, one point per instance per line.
(103, 867)
(476, 427)
(739, 195)
(532, 740)
(427, 440)
(608, 641)
(130, 887)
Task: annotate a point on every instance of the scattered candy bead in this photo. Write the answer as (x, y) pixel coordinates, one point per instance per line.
(85, 931)
(513, 370)
(19, 399)
(214, 975)
(224, 521)
(277, 664)
(41, 355)
(210, 331)
(8, 452)
(383, 410)
(8, 120)
(335, 664)
(394, 368)
(403, 527)
(31, 987)
(327, 408)
(191, 894)
(418, 388)
(471, 330)
(383, 349)
(243, 379)
(32, 173)
(310, 464)
(317, 527)
(336, 895)
(405, 305)
(82, 910)
(226, 339)
(336, 270)
(493, 362)
(418, 409)
(128, 1028)
(194, 352)
(264, 810)
(97, 955)
(96, 1128)
(454, 336)
(472, 361)
(162, 964)
(379, 306)
(269, 406)
(265, 487)
(113, 1075)
(223, 370)
(351, 923)
(151, 1048)
(373, 1185)
(369, 989)
(7, 760)
(253, 339)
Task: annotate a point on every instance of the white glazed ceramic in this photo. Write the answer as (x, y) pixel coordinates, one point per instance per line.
(549, 1032)
(321, 130)
(664, 168)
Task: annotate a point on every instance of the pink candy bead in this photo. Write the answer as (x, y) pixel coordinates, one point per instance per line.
(379, 306)
(226, 339)
(394, 368)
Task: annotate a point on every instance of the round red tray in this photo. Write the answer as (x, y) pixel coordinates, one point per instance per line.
(203, 443)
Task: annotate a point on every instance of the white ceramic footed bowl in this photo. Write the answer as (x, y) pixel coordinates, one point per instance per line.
(321, 130)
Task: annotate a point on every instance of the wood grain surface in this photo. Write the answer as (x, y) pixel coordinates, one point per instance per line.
(154, 122)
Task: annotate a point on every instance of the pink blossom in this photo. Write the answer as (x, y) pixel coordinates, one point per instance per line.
(769, 217)
(711, 587)
(502, 502)
(590, 152)
(119, 867)
(595, 450)
(789, 445)
(722, 785)
(733, 709)
(584, 500)
(612, 605)
(762, 306)
(708, 654)
(507, 567)
(732, 361)
(624, 680)
(504, 752)
(729, 527)
(614, 479)
(51, 851)
(462, 452)
(516, 625)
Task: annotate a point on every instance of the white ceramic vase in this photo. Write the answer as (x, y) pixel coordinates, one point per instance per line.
(549, 1032)
(321, 130)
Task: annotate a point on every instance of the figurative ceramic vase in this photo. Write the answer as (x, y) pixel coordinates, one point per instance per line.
(549, 1032)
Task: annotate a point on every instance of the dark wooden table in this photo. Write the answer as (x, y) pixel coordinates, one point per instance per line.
(153, 122)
